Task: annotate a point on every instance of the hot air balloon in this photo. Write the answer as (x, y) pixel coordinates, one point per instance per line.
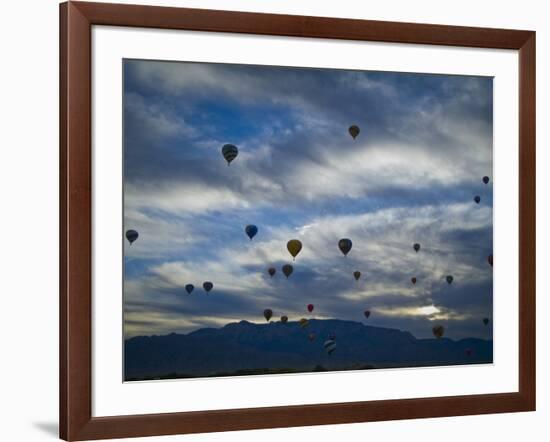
(311, 337)
(354, 131)
(294, 246)
(189, 288)
(357, 275)
(486, 180)
(485, 321)
(449, 279)
(413, 279)
(477, 199)
(490, 260)
(304, 322)
(367, 314)
(287, 270)
(229, 152)
(131, 235)
(251, 231)
(207, 285)
(345, 245)
(310, 308)
(330, 345)
(268, 313)
(468, 352)
(438, 331)
(284, 319)
(271, 271)
(416, 247)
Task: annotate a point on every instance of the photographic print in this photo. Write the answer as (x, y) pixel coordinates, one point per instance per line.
(286, 220)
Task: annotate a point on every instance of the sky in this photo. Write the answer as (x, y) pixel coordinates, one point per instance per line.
(410, 176)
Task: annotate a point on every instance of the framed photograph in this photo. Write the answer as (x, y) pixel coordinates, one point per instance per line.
(272, 221)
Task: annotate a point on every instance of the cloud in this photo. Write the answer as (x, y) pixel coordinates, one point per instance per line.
(410, 176)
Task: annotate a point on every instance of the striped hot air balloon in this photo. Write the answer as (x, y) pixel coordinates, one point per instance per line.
(229, 152)
(330, 345)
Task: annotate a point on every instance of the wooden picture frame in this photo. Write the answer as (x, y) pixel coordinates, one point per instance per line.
(76, 421)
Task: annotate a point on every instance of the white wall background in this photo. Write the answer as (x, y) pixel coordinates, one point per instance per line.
(29, 217)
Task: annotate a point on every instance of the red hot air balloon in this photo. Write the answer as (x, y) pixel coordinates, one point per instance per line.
(413, 279)
(310, 308)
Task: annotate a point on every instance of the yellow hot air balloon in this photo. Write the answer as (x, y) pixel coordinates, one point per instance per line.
(294, 246)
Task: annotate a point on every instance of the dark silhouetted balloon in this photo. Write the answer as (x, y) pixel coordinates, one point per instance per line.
(485, 321)
(310, 308)
(486, 179)
(354, 131)
(330, 345)
(284, 319)
(268, 313)
(490, 260)
(413, 280)
(271, 271)
(189, 288)
(131, 235)
(367, 314)
(229, 152)
(251, 231)
(438, 331)
(357, 275)
(449, 279)
(207, 285)
(477, 199)
(345, 245)
(416, 247)
(287, 270)
(294, 246)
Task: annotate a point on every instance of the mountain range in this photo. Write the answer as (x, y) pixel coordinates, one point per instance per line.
(244, 348)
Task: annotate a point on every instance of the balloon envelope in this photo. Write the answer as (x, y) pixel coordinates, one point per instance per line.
(490, 260)
(304, 322)
(131, 235)
(294, 246)
(485, 321)
(229, 152)
(486, 179)
(357, 275)
(189, 288)
(268, 313)
(354, 131)
(366, 313)
(438, 331)
(449, 279)
(271, 271)
(477, 199)
(413, 280)
(416, 247)
(330, 345)
(345, 245)
(251, 231)
(287, 270)
(284, 319)
(310, 307)
(207, 285)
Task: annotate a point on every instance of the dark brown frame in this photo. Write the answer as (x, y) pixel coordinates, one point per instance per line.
(76, 421)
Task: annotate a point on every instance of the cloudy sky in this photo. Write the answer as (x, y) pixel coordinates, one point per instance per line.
(410, 176)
